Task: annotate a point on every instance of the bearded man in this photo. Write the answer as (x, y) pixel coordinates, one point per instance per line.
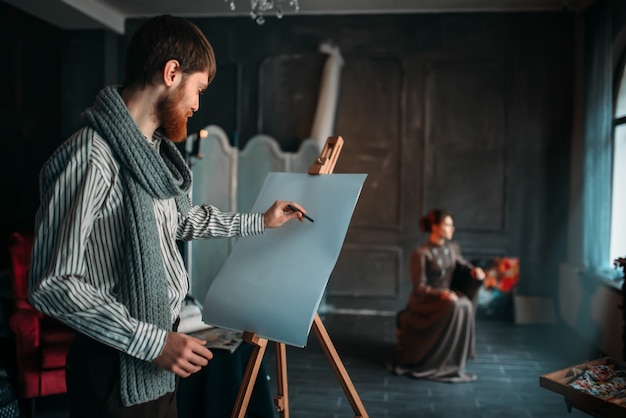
(114, 200)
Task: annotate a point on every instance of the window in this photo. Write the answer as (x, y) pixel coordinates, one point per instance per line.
(618, 194)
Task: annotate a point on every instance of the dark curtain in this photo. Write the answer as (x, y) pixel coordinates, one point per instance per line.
(597, 139)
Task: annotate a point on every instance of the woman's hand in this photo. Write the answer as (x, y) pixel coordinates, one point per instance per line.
(478, 273)
(449, 295)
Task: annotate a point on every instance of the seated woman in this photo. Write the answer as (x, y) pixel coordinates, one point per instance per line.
(435, 334)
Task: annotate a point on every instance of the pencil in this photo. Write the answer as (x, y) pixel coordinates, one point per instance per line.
(293, 208)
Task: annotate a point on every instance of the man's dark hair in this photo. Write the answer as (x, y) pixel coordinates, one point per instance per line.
(163, 38)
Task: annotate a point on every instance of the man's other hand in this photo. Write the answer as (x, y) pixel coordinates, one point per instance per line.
(183, 354)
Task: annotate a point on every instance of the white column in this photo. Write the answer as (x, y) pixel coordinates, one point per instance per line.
(324, 121)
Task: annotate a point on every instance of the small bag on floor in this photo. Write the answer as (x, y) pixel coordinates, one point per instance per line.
(8, 402)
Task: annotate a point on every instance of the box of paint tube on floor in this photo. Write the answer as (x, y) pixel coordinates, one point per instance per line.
(597, 387)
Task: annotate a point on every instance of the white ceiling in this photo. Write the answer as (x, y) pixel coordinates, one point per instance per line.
(111, 14)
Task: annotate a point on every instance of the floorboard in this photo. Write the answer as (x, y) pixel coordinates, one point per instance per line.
(510, 359)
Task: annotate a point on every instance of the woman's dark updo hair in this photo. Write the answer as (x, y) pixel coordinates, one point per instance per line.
(434, 217)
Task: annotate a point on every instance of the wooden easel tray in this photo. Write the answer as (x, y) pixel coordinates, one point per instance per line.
(594, 405)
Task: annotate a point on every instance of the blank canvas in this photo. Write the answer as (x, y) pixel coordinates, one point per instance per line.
(272, 284)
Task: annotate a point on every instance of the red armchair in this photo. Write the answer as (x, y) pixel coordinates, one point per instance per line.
(41, 342)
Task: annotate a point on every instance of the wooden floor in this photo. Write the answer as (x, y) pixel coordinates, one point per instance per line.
(510, 360)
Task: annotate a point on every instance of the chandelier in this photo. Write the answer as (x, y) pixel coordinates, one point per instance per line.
(260, 8)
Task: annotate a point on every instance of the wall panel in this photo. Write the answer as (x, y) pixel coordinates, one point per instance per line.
(466, 143)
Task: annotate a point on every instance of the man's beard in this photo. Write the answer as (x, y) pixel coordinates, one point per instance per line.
(172, 117)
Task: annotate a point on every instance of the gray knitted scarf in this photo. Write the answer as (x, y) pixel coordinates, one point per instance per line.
(145, 174)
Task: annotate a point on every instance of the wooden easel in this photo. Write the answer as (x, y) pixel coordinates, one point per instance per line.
(324, 164)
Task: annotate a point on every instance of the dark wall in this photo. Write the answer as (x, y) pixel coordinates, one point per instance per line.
(467, 111)
(30, 111)
(472, 112)
(50, 76)
(90, 62)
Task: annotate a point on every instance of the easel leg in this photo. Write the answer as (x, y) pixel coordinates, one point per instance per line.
(338, 368)
(325, 164)
(252, 371)
(282, 399)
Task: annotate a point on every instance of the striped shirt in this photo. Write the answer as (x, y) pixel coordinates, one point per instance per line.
(78, 261)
